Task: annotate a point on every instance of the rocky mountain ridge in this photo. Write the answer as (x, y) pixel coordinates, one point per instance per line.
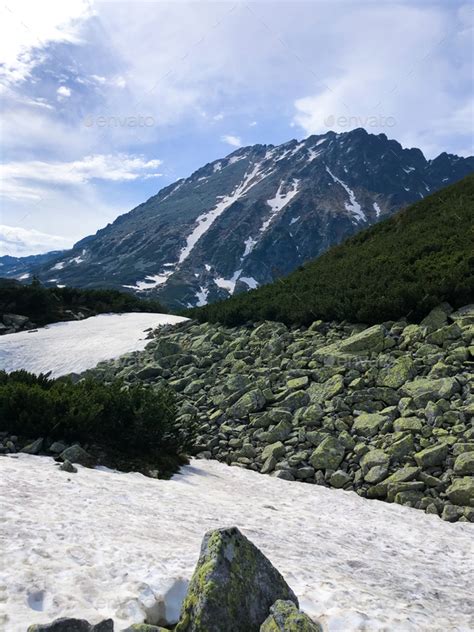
(244, 220)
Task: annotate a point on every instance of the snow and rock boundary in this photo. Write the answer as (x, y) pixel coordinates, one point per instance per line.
(100, 544)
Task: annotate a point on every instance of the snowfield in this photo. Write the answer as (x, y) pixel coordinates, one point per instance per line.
(78, 345)
(100, 543)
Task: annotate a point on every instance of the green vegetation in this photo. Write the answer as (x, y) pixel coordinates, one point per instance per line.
(401, 267)
(48, 305)
(135, 420)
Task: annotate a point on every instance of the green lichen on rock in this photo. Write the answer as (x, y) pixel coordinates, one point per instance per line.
(233, 586)
(285, 617)
(368, 424)
(461, 492)
(396, 375)
(251, 402)
(145, 627)
(424, 390)
(328, 455)
(434, 455)
(464, 463)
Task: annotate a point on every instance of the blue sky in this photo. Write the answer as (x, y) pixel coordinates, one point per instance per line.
(106, 103)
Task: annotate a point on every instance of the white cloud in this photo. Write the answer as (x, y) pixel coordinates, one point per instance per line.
(231, 140)
(18, 242)
(218, 117)
(18, 176)
(253, 124)
(28, 27)
(405, 91)
(63, 91)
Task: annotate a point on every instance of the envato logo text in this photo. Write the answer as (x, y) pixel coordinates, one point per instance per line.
(359, 121)
(119, 121)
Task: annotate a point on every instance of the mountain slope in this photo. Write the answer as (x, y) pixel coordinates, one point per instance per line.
(20, 267)
(256, 215)
(403, 266)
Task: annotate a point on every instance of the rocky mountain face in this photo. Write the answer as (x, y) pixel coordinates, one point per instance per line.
(253, 216)
(385, 411)
(20, 267)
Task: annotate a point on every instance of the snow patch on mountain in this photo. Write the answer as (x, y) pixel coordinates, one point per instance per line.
(228, 284)
(201, 296)
(353, 205)
(250, 281)
(279, 201)
(250, 244)
(312, 154)
(151, 281)
(377, 209)
(205, 221)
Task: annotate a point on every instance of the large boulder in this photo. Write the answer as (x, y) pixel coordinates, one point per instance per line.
(461, 492)
(76, 454)
(233, 586)
(285, 617)
(368, 424)
(73, 625)
(250, 402)
(464, 463)
(328, 455)
(424, 390)
(398, 373)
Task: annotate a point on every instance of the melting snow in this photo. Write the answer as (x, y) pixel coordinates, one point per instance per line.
(205, 221)
(408, 169)
(217, 167)
(201, 296)
(78, 345)
(250, 244)
(352, 206)
(228, 284)
(100, 544)
(250, 281)
(312, 154)
(24, 276)
(321, 141)
(234, 159)
(59, 266)
(279, 201)
(377, 209)
(294, 220)
(207, 266)
(151, 281)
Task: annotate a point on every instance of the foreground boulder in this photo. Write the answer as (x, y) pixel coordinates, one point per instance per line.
(285, 617)
(233, 586)
(73, 625)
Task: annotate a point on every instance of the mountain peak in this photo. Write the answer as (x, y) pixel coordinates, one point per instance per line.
(252, 216)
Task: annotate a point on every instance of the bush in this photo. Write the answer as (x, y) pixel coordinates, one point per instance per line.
(134, 419)
(45, 305)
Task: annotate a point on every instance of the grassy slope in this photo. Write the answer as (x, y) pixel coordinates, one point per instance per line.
(402, 266)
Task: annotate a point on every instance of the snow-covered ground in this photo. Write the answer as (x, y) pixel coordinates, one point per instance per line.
(78, 345)
(101, 543)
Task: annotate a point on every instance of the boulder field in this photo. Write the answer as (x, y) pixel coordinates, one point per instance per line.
(386, 411)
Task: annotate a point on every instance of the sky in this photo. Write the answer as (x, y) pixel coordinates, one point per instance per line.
(105, 103)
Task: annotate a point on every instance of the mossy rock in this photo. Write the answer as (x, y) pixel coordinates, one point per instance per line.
(145, 627)
(233, 586)
(461, 492)
(285, 617)
(72, 625)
